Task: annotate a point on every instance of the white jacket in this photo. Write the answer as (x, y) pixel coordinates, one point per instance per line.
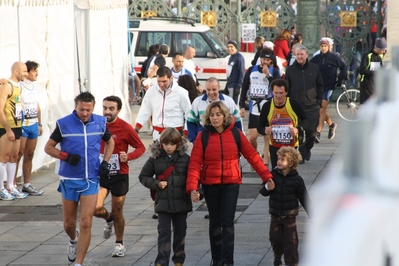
(168, 108)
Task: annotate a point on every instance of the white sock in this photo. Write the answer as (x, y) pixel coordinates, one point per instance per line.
(3, 175)
(11, 167)
(26, 185)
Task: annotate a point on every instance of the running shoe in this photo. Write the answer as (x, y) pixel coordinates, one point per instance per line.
(5, 195)
(107, 231)
(17, 194)
(317, 137)
(331, 131)
(119, 250)
(31, 190)
(72, 248)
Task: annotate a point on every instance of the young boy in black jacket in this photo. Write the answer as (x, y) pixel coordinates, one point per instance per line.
(287, 189)
(172, 203)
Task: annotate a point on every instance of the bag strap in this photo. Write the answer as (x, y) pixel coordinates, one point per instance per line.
(166, 173)
(236, 135)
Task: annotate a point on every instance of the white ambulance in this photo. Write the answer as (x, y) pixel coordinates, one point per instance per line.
(211, 54)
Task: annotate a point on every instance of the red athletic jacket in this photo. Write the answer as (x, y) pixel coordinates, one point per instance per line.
(219, 164)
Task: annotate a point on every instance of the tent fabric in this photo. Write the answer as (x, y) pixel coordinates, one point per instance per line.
(46, 31)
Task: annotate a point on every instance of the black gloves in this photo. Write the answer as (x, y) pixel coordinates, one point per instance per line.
(72, 159)
(104, 171)
(237, 90)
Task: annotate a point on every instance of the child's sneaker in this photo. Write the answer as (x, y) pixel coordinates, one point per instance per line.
(5, 195)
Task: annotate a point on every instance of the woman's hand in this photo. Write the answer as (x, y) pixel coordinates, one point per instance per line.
(195, 195)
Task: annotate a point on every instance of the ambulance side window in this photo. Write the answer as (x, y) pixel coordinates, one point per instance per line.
(146, 39)
(183, 39)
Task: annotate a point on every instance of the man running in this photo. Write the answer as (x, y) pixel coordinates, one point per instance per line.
(117, 182)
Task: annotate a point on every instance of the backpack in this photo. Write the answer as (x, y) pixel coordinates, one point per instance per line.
(234, 130)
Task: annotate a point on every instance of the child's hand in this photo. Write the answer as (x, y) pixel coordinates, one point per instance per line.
(162, 184)
(270, 184)
(195, 196)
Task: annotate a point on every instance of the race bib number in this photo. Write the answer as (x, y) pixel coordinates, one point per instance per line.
(281, 134)
(258, 90)
(228, 70)
(18, 111)
(30, 110)
(113, 164)
(374, 66)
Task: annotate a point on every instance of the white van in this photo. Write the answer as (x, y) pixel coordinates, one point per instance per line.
(211, 54)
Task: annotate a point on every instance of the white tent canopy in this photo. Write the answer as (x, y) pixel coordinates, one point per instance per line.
(53, 33)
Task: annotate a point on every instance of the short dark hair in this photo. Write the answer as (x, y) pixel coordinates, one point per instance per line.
(163, 49)
(31, 65)
(114, 98)
(164, 71)
(280, 83)
(177, 54)
(86, 97)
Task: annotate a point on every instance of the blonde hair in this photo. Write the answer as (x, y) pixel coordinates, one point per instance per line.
(223, 108)
(293, 155)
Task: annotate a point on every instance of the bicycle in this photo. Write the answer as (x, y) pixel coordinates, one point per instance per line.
(347, 104)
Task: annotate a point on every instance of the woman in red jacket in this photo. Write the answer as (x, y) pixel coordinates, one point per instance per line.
(282, 46)
(216, 166)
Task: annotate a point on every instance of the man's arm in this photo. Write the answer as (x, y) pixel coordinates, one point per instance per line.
(263, 122)
(153, 71)
(364, 66)
(144, 111)
(39, 119)
(343, 69)
(244, 91)
(51, 150)
(5, 91)
(319, 86)
(241, 70)
(185, 105)
(193, 122)
(135, 142)
(108, 149)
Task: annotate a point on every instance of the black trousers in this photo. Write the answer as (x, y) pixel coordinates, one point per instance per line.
(313, 115)
(179, 224)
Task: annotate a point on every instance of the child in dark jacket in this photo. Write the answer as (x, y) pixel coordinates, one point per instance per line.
(287, 189)
(172, 203)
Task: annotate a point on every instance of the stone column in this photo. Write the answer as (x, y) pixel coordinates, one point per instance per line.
(392, 30)
(308, 23)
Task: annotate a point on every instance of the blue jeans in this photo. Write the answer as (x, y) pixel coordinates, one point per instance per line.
(222, 202)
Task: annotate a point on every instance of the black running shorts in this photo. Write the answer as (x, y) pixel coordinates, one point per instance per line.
(117, 184)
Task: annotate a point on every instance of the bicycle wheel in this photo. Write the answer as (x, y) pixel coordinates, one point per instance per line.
(142, 93)
(347, 104)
